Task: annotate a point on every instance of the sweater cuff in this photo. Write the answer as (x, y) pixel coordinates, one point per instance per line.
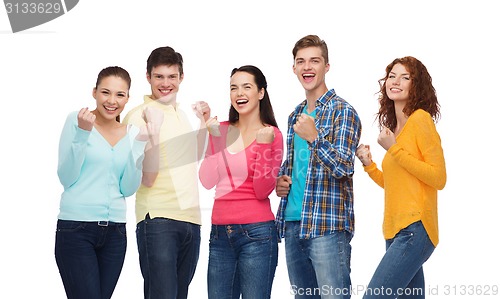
(81, 135)
(370, 167)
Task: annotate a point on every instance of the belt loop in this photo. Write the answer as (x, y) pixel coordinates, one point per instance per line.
(103, 223)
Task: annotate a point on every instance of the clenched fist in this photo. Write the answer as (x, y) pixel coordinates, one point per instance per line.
(213, 126)
(305, 127)
(265, 135)
(86, 119)
(364, 155)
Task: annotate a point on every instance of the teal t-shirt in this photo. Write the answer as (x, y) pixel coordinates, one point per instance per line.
(301, 155)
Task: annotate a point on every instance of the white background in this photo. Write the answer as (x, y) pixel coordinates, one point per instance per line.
(50, 70)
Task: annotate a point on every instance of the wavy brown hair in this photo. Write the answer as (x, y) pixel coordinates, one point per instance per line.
(422, 94)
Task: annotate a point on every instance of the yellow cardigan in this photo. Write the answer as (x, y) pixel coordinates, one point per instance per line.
(413, 171)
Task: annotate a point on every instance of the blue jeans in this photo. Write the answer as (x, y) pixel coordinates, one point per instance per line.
(242, 260)
(400, 273)
(318, 267)
(90, 257)
(168, 255)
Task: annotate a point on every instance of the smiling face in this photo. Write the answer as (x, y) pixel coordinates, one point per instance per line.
(310, 68)
(244, 93)
(165, 81)
(398, 83)
(111, 95)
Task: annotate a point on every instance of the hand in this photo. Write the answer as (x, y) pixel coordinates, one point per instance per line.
(213, 126)
(86, 119)
(283, 185)
(153, 116)
(202, 110)
(386, 138)
(364, 155)
(265, 135)
(305, 127)
(149, 132)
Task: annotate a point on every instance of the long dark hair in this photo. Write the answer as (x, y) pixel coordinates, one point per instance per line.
(422, 94)
(114, 71)
(265, 108)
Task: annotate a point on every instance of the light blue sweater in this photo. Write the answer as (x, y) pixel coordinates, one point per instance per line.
(96, 176)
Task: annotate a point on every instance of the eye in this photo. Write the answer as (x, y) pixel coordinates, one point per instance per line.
(391, 76)
(406, 78)
(105, 92)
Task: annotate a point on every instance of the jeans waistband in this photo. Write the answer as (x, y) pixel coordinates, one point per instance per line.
(98, 223)
(242, 226)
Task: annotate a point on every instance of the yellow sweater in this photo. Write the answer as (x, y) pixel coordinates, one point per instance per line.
(413, 170)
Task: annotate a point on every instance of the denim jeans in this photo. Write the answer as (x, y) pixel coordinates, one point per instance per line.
(242, 260)
(318, 267)
(90, 257)
(168, 255)
(400, 273)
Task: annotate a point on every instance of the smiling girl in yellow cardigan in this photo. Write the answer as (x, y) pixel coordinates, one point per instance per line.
(413, 170)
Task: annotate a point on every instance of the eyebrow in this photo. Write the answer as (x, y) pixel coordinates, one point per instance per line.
(244, 84)
(403, 74)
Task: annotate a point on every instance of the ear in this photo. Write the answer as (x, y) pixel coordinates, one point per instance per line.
(294, 70)
(262, 92)
(181, 78)
(148, 77)
(94, 93)
(327, 68)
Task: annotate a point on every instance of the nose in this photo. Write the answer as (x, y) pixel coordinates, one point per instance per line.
(112, 99)
(239, 92)
(307, 65)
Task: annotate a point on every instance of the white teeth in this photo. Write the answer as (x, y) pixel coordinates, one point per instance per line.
(110, 109)
(241, 101)
(308, 75)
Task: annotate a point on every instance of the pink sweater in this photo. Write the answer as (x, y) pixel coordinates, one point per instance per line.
(243, 180)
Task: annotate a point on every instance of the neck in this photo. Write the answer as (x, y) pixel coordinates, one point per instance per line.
(314, 94)
(104, 122)
(400, 116)
(249, 121)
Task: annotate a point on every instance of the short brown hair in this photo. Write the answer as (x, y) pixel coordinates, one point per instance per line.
(311, 41)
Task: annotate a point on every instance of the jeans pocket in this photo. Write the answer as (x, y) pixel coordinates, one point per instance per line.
(259, 233)
(213, 235)
(68, 226)
(121, 229)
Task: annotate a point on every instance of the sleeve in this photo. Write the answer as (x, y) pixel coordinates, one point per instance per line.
(375, 174)
(285, 166)
(72, 150)
(431, 170)
(209, 168)
(267, 165)
(131, 177)
(337, 157)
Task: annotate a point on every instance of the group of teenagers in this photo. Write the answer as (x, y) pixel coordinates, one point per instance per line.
(155, 153)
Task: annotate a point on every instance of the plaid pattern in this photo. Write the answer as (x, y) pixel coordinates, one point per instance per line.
(328, 198)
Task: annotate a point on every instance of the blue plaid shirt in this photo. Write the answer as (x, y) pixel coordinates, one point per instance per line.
(328, 198)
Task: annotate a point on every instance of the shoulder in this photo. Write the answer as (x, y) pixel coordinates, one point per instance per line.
(72, 117)
(134, 116)
(421, 114)
(277, 131)
(422, 120)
